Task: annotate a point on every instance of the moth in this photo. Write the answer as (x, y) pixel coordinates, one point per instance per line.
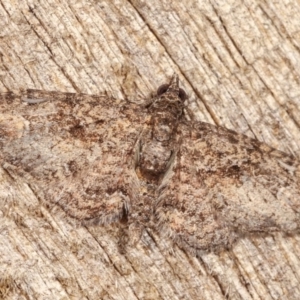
(107, 161)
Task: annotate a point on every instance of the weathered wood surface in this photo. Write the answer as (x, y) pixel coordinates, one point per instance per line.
(239, 63)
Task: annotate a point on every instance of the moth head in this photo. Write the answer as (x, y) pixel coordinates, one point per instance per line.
(172, 88)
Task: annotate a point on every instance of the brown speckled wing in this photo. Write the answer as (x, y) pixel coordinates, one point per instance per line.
(78, 150)
(222, 185)
(103, 160)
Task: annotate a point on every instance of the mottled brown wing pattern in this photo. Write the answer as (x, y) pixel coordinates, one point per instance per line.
(104, 160)
(78, 149)
(224, 184)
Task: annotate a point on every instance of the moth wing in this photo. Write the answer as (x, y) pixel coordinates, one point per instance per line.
(79, 150)
(223, 184)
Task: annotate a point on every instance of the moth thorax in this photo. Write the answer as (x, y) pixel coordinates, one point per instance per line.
(163, 128)
(157, 151)
(154, 159)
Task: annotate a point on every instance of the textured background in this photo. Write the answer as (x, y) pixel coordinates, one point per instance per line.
(239, 63)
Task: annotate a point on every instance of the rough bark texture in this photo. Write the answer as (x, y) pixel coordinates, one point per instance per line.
(237, 60)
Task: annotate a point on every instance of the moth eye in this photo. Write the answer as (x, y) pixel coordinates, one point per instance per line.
(162, 89)
(182, 95)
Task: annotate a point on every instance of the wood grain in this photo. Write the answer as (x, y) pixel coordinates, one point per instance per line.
(239, 63)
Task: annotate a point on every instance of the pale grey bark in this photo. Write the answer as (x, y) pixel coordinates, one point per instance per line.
(237, 60)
